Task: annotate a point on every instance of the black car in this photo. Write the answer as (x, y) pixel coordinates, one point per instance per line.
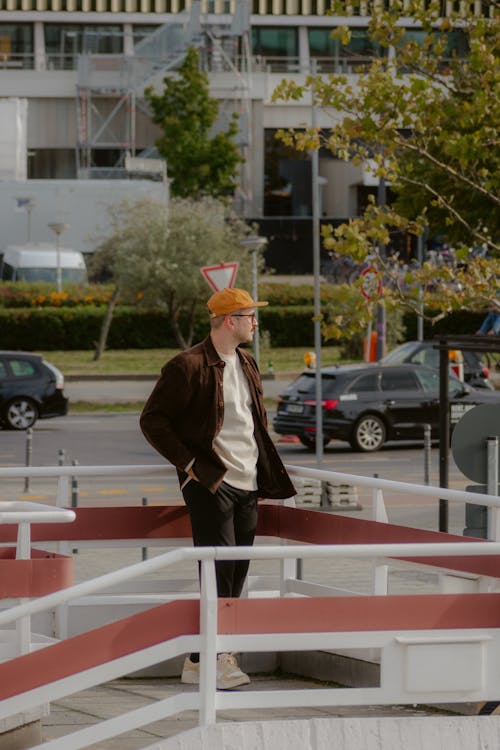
(30, 389)
(423, 353)
(367, 405)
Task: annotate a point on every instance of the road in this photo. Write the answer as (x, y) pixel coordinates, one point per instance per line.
(115, 439)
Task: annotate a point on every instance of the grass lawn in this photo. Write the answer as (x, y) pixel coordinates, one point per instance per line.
(150, 361)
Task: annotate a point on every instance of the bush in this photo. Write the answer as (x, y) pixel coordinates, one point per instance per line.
(79, 327)
(42, 294)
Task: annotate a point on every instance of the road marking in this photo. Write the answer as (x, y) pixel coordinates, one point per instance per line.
(32, 497)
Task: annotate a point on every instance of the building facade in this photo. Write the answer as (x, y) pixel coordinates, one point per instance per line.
(82, 66)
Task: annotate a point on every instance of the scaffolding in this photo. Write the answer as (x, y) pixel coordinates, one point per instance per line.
(110, 87)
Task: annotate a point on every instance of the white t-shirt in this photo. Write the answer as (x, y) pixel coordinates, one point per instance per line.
(235, 444)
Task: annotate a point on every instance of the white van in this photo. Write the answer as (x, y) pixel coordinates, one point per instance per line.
(38, 262)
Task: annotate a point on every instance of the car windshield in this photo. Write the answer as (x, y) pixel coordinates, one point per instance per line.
(400, 353)
(305, 385)
(71, 275)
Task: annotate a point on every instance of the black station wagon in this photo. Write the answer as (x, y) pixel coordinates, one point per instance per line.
(30, 389)
(368, 405)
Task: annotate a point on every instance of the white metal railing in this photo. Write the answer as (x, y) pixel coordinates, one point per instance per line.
(209, 643)
(23, 514)
(63, 474)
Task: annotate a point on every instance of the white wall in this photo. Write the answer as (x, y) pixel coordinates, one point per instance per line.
(13, 138)
(83, 204)
(383, 733)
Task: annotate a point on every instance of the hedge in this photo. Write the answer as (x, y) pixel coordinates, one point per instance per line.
(131, 328)
(134, 328)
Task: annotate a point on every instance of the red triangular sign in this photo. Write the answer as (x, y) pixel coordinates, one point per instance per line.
(220, 276)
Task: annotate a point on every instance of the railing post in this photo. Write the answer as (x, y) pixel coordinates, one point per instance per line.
(380, 577)
(23, 549)
(380, 572)
(208, 642)
(492, 486)
(427, 454)
(379, 511)
(62, 491)
(29, 455)
(23, 625)
(144, 554)
(74, 487)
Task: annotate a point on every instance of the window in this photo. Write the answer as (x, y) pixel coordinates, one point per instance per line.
(21, 368)
(429, 357)
(304, 385)
(142, 32)
(275, 43)
(287, 179)
(8, 272)
(16, 45)
(455, 42)
(333, 55)
(429, 380)
(3, 370)
(64, 42)
(399, 380)
(367, 382)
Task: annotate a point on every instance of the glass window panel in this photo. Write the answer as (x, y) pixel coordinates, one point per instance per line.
(398, 381)
(275, 42)
(368, 382)
(16, 45)
(63, 42)
(21, 368)
(142, 32)
(287, 179)
(321, 44)
(456, 41)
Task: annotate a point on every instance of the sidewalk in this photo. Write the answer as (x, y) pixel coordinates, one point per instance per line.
(104, 390)
(130, 389)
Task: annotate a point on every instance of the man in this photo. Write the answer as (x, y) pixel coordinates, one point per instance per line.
(206, 416)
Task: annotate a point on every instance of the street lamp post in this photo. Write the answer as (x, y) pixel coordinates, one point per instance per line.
(58, 228)
(254, 243)
(28, 204)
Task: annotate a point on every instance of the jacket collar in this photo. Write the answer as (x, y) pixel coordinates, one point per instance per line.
(210, 351)
(212, 356)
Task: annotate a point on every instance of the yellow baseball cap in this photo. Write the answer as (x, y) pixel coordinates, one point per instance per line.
(226, 301)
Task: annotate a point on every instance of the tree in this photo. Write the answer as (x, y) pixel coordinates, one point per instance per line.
(198, 163)
(155, 254)
(428, 123)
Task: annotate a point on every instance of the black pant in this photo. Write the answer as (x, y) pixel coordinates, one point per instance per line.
(228, 518)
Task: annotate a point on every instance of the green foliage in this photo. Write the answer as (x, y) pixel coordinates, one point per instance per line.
(155, 255)
(42, 294)
(198, 163)
(427, 122)
(78, 328)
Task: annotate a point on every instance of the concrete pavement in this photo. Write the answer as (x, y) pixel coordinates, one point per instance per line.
(127, 389)
(114, 390)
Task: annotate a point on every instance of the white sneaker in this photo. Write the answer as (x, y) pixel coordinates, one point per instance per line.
(190, 672)
(229, 675)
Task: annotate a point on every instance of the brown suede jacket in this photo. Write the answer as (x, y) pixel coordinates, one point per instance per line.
(185, 412)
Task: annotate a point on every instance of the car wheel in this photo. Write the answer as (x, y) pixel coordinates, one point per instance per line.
(20, 414)
(310, 442)
(369, 434)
